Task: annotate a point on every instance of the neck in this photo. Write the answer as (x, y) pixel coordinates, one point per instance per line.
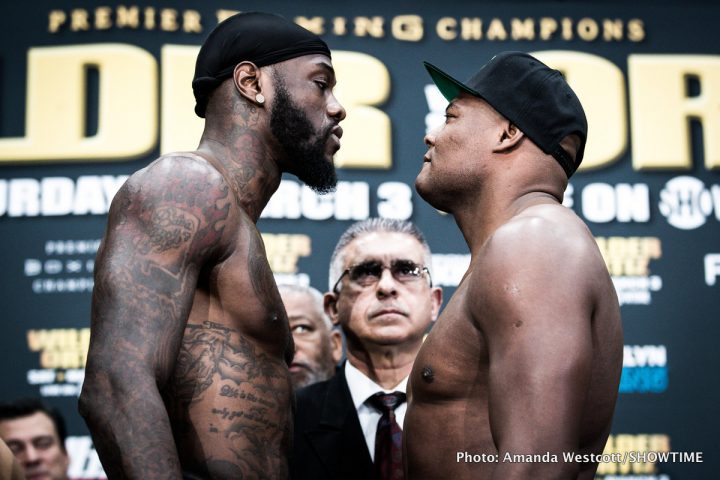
(386, 366)
(499, 201)
(249, 161)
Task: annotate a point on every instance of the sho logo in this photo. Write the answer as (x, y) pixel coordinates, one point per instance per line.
(686, 203)
(84, 461)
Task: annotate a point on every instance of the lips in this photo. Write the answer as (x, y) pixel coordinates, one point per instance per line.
(337, 131)
(298, 366)
(388, 311)
(334, 137)
(37, 476)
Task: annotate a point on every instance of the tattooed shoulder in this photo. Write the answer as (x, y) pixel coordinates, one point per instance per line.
(179, 202)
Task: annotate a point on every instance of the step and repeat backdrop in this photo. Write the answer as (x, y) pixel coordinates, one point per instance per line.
(92, 91)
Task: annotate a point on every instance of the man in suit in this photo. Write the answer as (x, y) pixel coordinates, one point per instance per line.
(382, 297)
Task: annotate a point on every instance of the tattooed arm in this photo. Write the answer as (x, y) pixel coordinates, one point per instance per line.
(164, 225)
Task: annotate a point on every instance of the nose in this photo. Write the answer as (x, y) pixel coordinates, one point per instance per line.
(387, 285)
(335, 110)
(29, 456)
(430, 139)
(301, 346)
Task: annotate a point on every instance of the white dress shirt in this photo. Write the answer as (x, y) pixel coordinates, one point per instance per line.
(362, 388)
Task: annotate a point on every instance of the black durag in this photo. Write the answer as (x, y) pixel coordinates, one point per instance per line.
(261, 38)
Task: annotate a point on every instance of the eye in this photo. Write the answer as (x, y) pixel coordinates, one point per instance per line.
(366, 272)
(43, 443)
(406, 269)
(301, 328)
(322, 84)
(16, 447)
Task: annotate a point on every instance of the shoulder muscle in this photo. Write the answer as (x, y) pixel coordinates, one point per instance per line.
(177, 203)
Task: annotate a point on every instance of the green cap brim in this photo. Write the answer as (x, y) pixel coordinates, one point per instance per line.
(448, 86)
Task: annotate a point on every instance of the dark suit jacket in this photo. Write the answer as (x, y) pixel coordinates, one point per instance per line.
(329, 443)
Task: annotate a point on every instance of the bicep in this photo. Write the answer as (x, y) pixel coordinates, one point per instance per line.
(145, 279)
(138, 306)
(538, 379)
(538, 331)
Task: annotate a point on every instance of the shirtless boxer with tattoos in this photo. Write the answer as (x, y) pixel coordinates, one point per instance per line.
(187, 374)
(526, 357)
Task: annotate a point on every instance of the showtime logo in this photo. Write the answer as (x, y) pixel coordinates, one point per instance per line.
(686, 203)
(84, 461)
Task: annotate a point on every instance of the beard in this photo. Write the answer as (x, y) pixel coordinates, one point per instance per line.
(303, 147)
(304, 378)
(317, 369)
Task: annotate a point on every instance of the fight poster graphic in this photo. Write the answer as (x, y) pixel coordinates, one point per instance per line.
(90, 94)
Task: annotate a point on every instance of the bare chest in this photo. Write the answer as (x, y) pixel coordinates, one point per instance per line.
(240, 294)
(452, 363)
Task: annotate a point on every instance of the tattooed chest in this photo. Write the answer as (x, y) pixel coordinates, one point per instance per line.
(228, 395)
(217, 358)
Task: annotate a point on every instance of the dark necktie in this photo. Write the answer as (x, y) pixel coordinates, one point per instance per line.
(388, 439)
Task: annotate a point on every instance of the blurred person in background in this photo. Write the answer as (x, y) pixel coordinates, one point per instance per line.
(35, 433)
(318, 348)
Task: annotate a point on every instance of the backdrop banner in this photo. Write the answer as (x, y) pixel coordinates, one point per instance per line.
(93, 91)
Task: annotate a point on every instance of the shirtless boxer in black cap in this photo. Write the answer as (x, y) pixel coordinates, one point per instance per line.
(187, 373)
(523, 365)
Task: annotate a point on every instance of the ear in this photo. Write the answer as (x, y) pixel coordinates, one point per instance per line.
(436, 297)
(571, 144)
(330, 306)
(336, 346)
(248, 81)
(510, 137)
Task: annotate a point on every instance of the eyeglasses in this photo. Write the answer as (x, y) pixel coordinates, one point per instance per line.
(368, 273)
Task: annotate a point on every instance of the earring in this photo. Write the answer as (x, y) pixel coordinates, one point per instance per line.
(260, 98)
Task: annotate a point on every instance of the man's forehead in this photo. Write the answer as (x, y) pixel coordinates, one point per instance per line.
(315, 60)
(290, 295)
(300, 303)
(465, 100)
(384, 246)
(30, 426)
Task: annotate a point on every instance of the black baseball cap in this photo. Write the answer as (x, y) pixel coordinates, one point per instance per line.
(530, 94)
(258, 37)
